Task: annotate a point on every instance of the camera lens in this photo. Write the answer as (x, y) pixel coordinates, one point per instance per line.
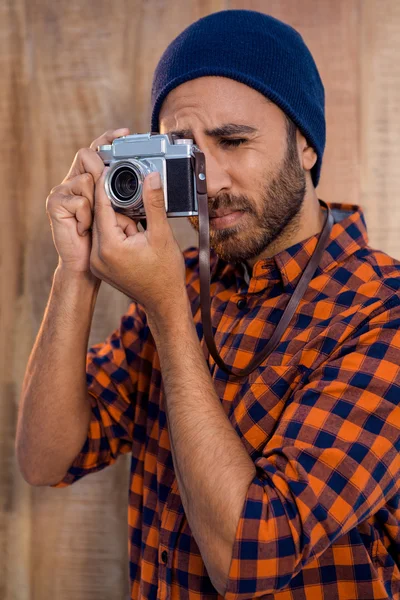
(124, 184)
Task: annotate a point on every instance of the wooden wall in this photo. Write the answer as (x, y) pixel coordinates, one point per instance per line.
(69, 70)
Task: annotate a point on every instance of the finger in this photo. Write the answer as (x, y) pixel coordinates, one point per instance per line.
(81, 185)
(105, 217)
(66, 206)
(85, 161)
(154, 204)
(84, 217)
(63, 197)
(128, 226)
(108, 137)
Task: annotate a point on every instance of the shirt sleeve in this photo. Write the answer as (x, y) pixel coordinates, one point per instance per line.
(332, 462)
(112, 373)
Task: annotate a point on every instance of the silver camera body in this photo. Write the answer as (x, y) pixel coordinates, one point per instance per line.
(132, 157)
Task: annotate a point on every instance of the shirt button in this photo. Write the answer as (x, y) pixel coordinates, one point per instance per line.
(241, 303)
(164, 556)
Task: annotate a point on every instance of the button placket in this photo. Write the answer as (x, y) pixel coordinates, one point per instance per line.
(241, 303)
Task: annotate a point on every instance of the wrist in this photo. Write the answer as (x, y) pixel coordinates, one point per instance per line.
(75, 294)
(81, 288)
(170, 318)
(79, 277)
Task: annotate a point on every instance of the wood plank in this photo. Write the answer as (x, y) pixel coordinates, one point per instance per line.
(72, 75)
(69, 71)
(380, 122)
(12, 234)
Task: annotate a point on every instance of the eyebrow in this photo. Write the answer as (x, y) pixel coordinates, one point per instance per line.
(226, 129)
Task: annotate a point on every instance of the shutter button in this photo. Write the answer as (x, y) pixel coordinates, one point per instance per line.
(164, 556)
(241, 303)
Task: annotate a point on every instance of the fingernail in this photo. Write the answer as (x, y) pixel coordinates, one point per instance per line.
(155, 180)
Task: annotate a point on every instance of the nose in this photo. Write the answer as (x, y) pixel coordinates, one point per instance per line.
(218, 178)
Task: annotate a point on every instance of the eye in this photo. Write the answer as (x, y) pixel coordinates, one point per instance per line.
(232, 141)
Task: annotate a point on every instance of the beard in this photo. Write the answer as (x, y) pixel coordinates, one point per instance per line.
(279, 215)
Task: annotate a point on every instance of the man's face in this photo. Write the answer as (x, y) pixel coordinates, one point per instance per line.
(256, 184)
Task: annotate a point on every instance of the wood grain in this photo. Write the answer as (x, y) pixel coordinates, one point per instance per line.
(69, 71)
(379, 128)
(12, 114)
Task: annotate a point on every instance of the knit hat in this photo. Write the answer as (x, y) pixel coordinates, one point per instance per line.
(257, 50)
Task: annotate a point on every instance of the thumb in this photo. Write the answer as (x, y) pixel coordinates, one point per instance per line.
(105, 218)
(154, 203)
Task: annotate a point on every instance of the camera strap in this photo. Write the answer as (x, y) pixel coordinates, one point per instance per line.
(204, 268)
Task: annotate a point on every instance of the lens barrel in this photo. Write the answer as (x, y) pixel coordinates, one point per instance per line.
(124, 183)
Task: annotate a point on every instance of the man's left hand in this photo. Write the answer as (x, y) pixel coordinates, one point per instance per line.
(146, 266)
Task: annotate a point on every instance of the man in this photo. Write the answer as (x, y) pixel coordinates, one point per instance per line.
(283, 484)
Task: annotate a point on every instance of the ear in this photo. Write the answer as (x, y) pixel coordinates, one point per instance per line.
(308, 155)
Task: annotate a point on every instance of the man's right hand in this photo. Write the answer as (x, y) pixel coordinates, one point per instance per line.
(70, 206)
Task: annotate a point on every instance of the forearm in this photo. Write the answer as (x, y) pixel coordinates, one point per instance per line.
(212, 466)
(54, 412)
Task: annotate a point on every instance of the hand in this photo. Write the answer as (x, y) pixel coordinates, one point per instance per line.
(70, 206)
(146, 266)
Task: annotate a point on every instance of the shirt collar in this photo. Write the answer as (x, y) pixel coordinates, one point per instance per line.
(348, 234)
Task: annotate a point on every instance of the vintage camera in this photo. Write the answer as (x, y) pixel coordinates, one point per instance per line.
(132, 157)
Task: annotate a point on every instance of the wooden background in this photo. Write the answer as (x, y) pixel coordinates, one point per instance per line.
(69, 70)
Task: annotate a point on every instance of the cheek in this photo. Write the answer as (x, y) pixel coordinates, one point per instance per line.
(250, 168)
(250, 174)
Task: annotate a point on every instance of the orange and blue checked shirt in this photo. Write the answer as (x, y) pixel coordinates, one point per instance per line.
(320, 418)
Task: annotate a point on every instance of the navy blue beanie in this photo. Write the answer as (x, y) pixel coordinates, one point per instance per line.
(255, 49)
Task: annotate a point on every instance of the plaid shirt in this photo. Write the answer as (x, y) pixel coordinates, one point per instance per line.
(320, 420)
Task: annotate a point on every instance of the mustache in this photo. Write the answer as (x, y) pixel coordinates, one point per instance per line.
(224, 201)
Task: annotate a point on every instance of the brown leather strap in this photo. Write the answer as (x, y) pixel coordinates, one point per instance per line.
(204, 260)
